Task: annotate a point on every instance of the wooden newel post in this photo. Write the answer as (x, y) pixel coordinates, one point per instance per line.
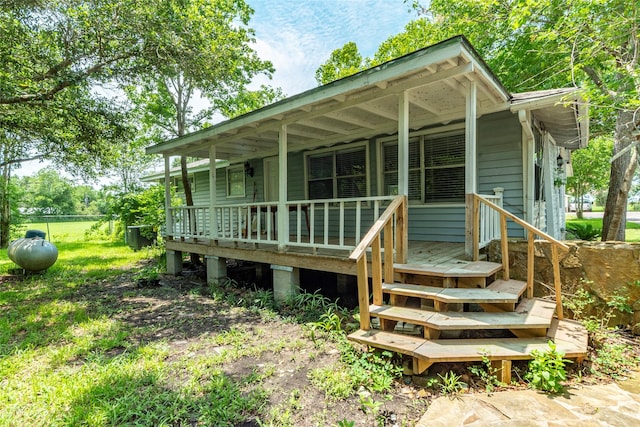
(363, 293)
(530, 262)
(504, 243)
(556, 281)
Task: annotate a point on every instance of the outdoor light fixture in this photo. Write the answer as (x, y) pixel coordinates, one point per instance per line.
(560, 161)
(248, 169)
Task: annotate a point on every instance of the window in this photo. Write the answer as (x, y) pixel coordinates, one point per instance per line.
(436, 167)
(235, 181)
(337, 173)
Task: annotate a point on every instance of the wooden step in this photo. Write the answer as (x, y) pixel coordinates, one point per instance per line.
(531, 318)
(388, 341)
(458, 275)
(470, 350)
(451, 295)
(511, 286)
(569, 336)
(468, 269)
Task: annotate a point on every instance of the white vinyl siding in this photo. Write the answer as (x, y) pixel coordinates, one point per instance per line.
(337, 173)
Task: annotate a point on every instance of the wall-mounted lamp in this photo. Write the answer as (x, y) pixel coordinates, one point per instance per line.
(248, 169)
(560, 161)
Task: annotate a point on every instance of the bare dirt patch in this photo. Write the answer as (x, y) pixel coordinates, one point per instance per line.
(275, 353)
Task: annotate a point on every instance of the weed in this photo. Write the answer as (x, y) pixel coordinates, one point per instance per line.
(546, 370)
(368, 405)
(373, 370)
(451, 384)
(345, 423)
(487, 374)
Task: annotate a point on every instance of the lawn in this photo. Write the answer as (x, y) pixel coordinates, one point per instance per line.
(632, 230)
(86, 343)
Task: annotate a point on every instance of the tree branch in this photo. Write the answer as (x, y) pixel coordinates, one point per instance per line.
(26, 159)
(595, 78)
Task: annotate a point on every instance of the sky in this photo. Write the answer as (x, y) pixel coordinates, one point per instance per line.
(297, 36)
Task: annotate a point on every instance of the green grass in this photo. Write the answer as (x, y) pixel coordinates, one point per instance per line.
(61, 231)
(632, 231)
(69, 357)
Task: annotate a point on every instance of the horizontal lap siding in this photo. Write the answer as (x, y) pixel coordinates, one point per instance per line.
(436, 223)
(500, 162)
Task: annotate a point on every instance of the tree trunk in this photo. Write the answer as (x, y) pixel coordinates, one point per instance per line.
(188, 198)
(622, 171)
(5, 209)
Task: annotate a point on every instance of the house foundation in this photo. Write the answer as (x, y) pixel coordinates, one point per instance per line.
(174, 262)
(216, 268)
(286, 281)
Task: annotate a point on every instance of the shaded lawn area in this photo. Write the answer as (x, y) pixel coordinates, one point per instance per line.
(85, 344)
(632, 230)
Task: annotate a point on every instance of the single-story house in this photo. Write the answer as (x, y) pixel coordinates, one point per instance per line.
(433, 135)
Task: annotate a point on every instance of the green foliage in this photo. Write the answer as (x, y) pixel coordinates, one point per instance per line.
(591, 168)
(374, 370)
(451, 384)
(342, 62)
(583, 231)
(48, 193)
(547, 369)
(145, 207)
(487, 374)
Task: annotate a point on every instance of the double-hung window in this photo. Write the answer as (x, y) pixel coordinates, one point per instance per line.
(337, 173)
(235, 181)
(436, 167)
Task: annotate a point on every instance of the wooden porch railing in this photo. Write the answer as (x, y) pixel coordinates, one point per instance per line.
(477, 202)
(326, 223)
(383, 226)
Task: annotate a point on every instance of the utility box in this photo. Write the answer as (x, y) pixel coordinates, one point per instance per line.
(135, 239)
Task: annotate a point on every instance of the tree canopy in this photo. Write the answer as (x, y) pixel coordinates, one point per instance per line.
(65, 62)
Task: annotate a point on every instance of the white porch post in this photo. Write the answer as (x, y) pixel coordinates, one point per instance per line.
(213, 185)
(403, 143)
(167, 196)
(283, 212)
(548, 168)
(470, 165)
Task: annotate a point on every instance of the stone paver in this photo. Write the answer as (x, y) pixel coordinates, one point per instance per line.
(612, 405)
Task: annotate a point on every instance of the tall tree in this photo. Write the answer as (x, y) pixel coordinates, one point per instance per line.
(54, 69)
(591, 168)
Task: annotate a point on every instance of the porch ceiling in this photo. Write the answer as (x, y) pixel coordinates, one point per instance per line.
(365, 105)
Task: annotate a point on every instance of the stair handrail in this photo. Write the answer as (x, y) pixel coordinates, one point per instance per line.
(532, 231)
(397, 209)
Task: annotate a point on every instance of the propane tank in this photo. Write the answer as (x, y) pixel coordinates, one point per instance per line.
(33, 254)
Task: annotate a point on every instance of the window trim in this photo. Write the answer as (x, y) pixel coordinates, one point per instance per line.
(334, 149)
(235, 168)
(455, 128)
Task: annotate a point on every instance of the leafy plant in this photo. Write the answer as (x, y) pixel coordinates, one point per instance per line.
(487, 374)
(345, 423)
(583, 231)
(451, 384)
(374, 370)
(547, 369)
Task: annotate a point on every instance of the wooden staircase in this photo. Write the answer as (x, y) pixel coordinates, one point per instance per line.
(457, 312)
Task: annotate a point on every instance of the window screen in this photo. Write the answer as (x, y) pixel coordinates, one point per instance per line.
(436, 168)
(337, 174)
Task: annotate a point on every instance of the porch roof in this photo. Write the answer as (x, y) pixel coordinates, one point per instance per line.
(562, 112)
(356, 107)
(365, 105)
